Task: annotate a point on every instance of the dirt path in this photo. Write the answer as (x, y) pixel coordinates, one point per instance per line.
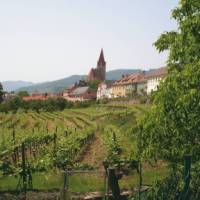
(95, 153)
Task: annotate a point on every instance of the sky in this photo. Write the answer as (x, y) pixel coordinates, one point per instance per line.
(44, 40)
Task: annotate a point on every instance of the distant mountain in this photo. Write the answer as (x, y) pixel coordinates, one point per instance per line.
(14, 85)
(53, 86)
(117, 74)
(60, 85)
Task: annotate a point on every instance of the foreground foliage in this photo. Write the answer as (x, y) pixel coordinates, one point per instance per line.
(171, 129)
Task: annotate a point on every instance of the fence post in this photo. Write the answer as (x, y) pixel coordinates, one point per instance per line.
(140, 163)
(106, 186)
(113, 183)
(54, 142)
(13, 134)
(140, 176)
(65, 186)
(187, 165)
(24, 169)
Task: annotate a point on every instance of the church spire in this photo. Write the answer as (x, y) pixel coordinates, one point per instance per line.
(101, 61)
(98, 73)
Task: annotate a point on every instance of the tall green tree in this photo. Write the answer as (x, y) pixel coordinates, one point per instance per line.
(22, 94)
(1, 93)
(171, 129)
(94, 84)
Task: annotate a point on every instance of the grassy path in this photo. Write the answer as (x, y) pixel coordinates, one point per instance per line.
(95, 153)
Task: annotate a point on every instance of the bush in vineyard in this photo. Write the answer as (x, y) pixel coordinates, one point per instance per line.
(51, 104)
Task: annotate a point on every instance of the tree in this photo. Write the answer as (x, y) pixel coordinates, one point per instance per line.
(14, 104)
(23, 94)
(94, 84)
(1, 93)
(171, 129)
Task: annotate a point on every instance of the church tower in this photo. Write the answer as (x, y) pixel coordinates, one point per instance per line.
(101, 67)
(98, 73)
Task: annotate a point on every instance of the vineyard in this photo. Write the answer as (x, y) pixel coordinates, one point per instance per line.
(112, 149)
(75, 139)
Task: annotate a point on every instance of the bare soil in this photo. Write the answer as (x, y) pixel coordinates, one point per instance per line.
(94, 153)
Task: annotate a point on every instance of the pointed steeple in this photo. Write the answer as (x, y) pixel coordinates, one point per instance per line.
(101, 61)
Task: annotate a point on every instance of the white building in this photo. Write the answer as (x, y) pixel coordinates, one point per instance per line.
(154, 78)
(8, 96)
(104, 90)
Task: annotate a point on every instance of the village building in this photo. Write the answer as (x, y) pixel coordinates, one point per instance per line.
(98, 73)
(104, 90)
(35, 96)
(67, 91)
(7, 96)
(129, 85)
(41, 96)
(142, 86)
(81, 94)
(154, 78)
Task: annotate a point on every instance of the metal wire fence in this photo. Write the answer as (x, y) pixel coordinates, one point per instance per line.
(83, 184)
(104, 184)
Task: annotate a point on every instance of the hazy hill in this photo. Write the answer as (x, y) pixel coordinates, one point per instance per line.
(14, 85)
(53, 86)
(60, 85)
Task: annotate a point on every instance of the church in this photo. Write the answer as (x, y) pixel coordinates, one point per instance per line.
(98, 73)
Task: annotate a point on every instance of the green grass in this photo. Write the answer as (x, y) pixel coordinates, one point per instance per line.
(8, 183)
(149, 177)
(78, 183)
(82, 183)
(41, 181)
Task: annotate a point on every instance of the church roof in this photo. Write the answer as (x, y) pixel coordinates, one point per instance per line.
(101, 60)
(92, 72)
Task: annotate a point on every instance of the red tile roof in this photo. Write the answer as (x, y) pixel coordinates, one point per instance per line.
(30, 98)
(157, 73)
(129, 79)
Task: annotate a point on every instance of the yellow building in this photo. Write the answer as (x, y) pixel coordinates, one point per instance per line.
(128, 84)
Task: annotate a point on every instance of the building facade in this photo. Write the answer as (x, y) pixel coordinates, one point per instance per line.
(36, 96)
(104, 90)
(80, 94)
(129, 85)
(7, 96)
(154, 78)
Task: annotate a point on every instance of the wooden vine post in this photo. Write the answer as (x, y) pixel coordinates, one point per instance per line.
(65, 188)
(114, 137)
(106, 186)
(24, 180)
(54, 144)
(187, 166)
(56, 129)
(47, 128)
(140, 178)
(14, 153)
(54, 140)
(13, 135)
(140, 163)
(113, 184)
